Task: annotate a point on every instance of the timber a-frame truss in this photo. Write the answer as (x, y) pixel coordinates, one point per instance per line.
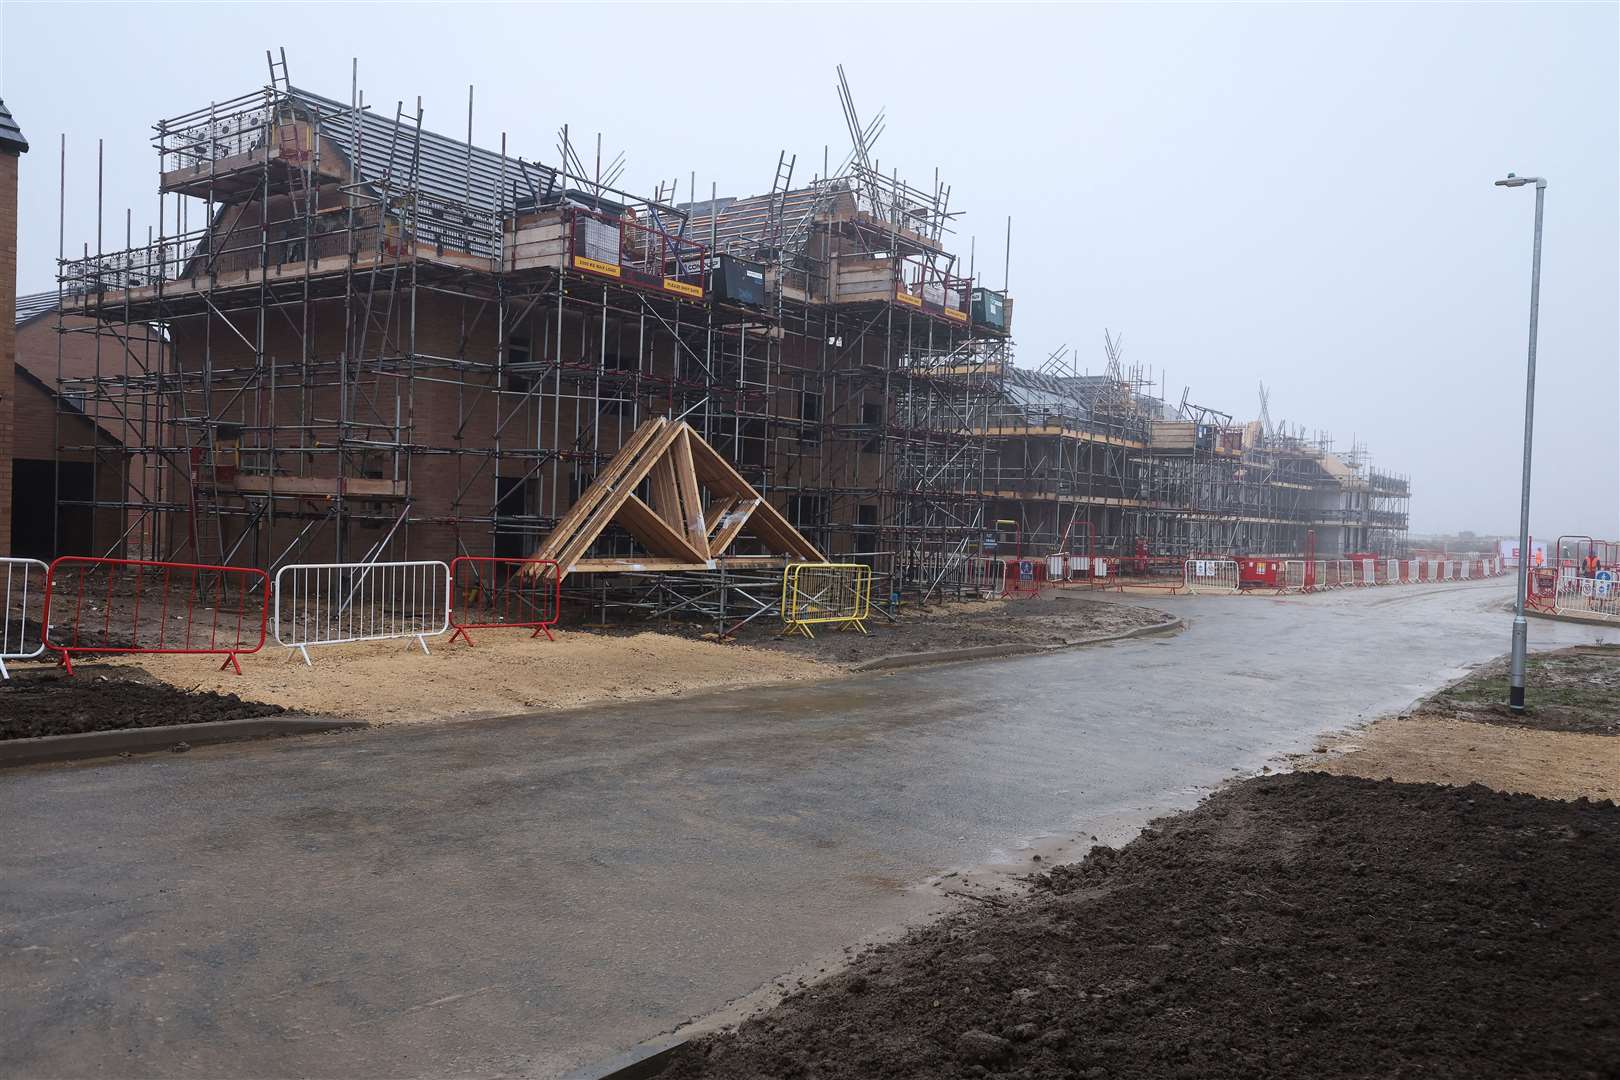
(674, 524)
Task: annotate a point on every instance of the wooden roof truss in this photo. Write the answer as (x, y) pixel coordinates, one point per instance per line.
(674, 524)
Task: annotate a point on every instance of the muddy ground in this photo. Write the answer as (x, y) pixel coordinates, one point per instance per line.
(1565, 745)
(105, 697)
(1297, 926)
(1055, 617)
(1575, 689)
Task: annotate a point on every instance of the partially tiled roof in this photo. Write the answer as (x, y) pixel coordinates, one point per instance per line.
(11, 136)
(379, 148)
(744, 226)
(33, 305)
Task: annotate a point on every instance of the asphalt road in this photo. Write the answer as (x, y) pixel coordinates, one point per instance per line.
(516, 897)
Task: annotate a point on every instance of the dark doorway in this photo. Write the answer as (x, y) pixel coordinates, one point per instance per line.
(33, 488)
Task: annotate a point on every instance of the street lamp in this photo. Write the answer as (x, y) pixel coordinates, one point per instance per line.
(1520, 630)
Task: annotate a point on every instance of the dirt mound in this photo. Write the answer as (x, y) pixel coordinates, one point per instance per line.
(1297, 926)
(50, 703)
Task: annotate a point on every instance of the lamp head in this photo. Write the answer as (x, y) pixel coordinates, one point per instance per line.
(1515, 180)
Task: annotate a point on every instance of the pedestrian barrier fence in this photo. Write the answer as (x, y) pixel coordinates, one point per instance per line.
(143, 606)
(1308, 575)
(1294, 575)
(1588, 597)
(1392, 570)
(1079, 566)
(1446, 570)
(22, 633)
(817, 593)
(1413, 570)
(1057, 568)
(1024, 577)
(1367, 571)
(1210, 575)
(339, 603)
(1347, 571)
(489, 592)
(1462, 568)
(1434, 570)
(983, 575)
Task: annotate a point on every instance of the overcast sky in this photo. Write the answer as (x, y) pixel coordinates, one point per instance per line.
(1300, 194)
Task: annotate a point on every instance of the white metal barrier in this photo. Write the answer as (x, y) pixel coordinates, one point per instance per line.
(1588, 597)
(23, 620)
(1057, 568)
(1392, 571)
(1079, 566)
(986, 575)
(1294, 575)
(341, 603)
(1414, 570)
(1446, 569)
(1210, 575)
(1464, 567)
(1366, 571)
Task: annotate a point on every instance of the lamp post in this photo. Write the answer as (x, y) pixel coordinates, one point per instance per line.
(1520, 630)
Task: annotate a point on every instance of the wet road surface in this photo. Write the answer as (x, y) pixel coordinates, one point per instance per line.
(516, 897)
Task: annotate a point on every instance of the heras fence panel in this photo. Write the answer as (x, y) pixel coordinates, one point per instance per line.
(1316, 574)
(1392, 570)
(826, 593)
(340, 603)
(22, 633)
(1366, 571)
(1294, 575)
(146, 606)
(1347, 571)
(1589, 597)
(489, 592)
(1210, 575)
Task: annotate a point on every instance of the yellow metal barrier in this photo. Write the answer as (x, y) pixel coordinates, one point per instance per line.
(826, 593)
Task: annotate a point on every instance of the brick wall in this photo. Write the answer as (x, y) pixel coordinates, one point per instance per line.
(8, 350)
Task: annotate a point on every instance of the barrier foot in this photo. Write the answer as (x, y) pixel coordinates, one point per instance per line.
(422, 641)
(65, 661)
(541, 630)
(301, 649)
(230, 662)
(461, 633)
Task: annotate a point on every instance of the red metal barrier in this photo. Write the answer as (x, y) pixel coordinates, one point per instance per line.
(1025, 577)
(97, 606)
(488, 592)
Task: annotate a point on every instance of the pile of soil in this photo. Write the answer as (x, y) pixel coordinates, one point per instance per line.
(1575, 689)
(1296, 926)
(1052, 618)
(109, 698)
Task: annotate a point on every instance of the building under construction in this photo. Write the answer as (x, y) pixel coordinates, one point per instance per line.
(351, 338)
